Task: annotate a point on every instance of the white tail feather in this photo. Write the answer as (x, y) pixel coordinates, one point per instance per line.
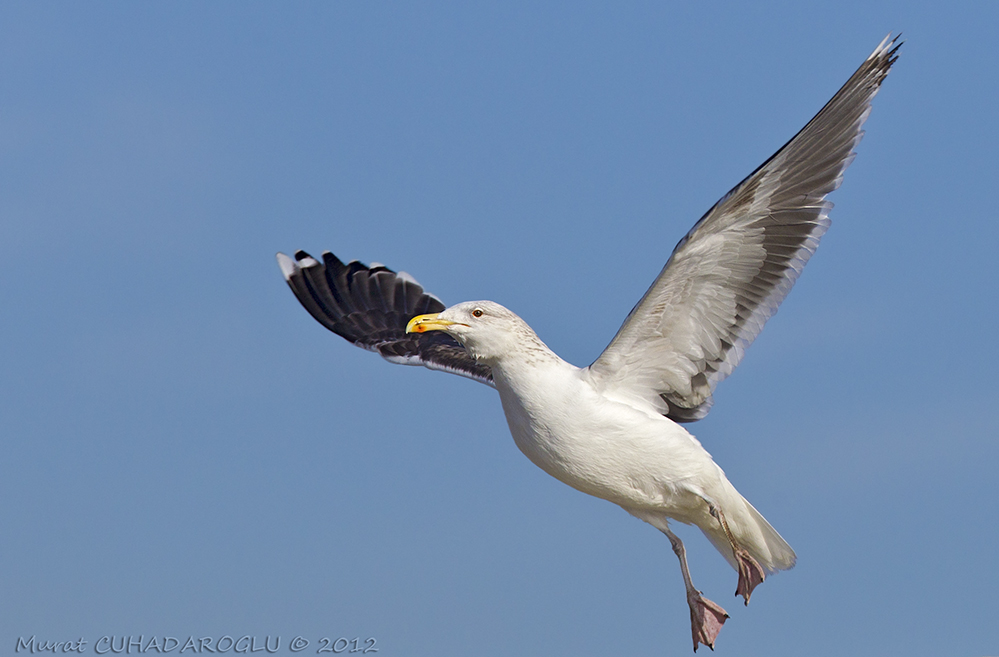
(755, 534)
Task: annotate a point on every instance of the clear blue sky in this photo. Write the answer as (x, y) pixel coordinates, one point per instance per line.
(185, 452)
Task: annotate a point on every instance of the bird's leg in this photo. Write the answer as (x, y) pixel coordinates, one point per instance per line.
(706, 617)
(751, 573)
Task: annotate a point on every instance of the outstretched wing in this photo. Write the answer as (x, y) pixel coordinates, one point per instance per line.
(370, 306)
(727, 276)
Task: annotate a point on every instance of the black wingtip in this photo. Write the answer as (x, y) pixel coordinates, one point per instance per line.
(888, 50)
(332, 261)
(371, 306)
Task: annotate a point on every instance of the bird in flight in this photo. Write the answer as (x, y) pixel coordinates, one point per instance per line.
(613, 429)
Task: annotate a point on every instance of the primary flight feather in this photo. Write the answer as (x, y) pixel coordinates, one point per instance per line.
(611, 429)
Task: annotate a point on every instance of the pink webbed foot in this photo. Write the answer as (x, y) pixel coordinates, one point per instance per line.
(751, 574)
(706, 619)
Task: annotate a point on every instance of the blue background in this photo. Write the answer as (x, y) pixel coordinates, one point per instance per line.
(186, 452)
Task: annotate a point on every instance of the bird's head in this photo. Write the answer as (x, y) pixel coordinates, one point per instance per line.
(487, 330)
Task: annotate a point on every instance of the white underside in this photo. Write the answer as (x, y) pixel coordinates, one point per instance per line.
(618, 451)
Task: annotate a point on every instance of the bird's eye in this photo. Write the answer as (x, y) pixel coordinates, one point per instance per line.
(477, 312)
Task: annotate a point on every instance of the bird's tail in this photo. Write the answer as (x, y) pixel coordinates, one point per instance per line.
(755, 534)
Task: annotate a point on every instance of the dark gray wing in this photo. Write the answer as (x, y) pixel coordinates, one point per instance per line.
(726, 278)
(370, 306)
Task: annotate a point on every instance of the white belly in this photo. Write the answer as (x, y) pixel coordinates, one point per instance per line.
(639, 460)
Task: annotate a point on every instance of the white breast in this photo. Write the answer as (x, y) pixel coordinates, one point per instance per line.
(634, 458)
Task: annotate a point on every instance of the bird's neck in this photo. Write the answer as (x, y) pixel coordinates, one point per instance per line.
(527, 350)
(530, 364)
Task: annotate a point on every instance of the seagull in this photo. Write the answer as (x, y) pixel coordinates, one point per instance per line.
(614, 429)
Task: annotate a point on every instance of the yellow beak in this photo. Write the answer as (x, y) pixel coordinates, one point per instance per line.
(431, 322)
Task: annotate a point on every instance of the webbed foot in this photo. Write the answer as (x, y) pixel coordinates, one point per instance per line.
(751, 573)
(706, 619)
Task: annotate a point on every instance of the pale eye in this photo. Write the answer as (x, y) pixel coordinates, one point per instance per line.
(477, 312)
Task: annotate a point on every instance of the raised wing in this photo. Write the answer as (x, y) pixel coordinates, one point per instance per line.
(370, 306)
(727, 276)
